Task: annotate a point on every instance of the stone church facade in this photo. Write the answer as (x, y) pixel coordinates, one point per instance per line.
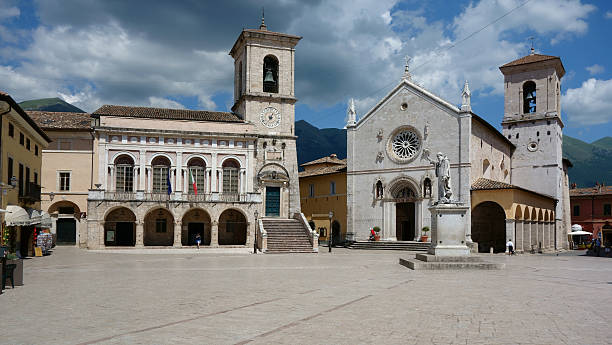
(515, 181)
(164, 175)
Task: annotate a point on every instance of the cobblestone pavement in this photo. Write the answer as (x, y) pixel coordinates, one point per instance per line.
(348, 297)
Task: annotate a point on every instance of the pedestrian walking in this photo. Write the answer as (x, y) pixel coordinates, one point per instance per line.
(198, 239)
(510, 246)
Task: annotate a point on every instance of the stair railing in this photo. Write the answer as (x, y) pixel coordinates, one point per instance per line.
(313, 236)
(263, 240)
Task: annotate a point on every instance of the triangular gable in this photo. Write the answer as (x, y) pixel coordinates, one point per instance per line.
(418, 91)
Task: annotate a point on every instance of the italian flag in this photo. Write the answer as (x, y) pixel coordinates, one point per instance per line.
(193, 183)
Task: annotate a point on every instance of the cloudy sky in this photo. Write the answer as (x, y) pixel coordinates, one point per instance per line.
(175, 53)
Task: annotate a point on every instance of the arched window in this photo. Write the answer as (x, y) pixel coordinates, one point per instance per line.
(270, 74)
(196, 170)
(379, 190)
(231, 168)
(427, 188)
(161, 174)
(124, 174)
(529, 97)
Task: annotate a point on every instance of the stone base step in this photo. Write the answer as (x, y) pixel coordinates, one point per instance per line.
(432, 262)
(390, 245)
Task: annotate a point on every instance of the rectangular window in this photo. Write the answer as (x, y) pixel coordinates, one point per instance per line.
(198, 176)
(27, 180)
(10, 170)
(607, 210)
(160, 179)
(28, 143)
(160, 225)
(311, 190)
(36, 150)
(125, 178)
(20, 189)
(332, 188)
(230, 181)
(11, 130)
(21, 138)
(576, 210)
(64, 181)
(35, 178)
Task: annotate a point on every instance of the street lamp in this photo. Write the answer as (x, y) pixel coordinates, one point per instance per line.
(255, 240)
(51, 196)
(329, 233)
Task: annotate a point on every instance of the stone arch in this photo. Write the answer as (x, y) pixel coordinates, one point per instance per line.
(540, 215)
(159, 227)
(197, 155)
(529, 97)
(196, 221)
(233, 227)
(336, 232)
(547, 216)
(124, 153)
(119, 227)
(161, 154)
(489, 227)
(401, 182)
(63, 205)
(527, 213)
(534, 214)
(234, 157)
(518, 212)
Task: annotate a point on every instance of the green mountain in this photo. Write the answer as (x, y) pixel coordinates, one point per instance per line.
(592, 162)
(50, 104)
(313, 143)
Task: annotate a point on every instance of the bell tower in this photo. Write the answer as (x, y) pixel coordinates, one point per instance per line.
(532, 122)
(264, 77)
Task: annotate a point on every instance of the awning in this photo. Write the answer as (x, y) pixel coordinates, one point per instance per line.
(34, 216)
(45, 220)
(16, 216)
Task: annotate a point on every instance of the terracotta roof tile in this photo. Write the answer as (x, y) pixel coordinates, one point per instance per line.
(333, 159)
(322, 171)
(61, 120)
(530, 59)
(591, 191)
(167, 114)
(483, 184)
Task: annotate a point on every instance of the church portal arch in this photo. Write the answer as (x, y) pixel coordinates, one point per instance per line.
(120, 228)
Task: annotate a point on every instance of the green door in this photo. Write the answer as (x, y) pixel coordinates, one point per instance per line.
(272, 201)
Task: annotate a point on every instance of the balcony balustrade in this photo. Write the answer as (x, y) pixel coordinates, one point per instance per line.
(96, 194)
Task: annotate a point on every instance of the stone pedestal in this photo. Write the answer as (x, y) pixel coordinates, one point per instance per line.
(448, 229)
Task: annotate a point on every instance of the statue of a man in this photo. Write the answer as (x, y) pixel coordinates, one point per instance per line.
(445, 191)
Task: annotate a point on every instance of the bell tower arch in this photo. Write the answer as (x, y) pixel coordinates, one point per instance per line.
(264, 76)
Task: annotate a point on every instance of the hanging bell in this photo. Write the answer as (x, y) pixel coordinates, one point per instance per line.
(529, 96)
(269, 77)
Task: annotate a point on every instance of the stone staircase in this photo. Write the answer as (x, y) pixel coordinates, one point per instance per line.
(390, 245)
(286, 236)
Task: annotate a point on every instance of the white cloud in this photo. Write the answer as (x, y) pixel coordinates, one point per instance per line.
(8, 12)
(595, 69)
(158, 102)
(608, 15)
(590, 104)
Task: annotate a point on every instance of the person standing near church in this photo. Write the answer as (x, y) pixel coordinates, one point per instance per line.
(510, 246)
(198, 240)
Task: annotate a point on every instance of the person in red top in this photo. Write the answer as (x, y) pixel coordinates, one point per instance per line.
(372, 234)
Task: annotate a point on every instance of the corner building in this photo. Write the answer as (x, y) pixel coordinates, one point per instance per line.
(165, 175)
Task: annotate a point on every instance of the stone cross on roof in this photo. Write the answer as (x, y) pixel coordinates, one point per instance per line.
(407, 75)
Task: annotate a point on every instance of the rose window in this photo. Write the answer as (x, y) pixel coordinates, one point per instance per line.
(406, 144)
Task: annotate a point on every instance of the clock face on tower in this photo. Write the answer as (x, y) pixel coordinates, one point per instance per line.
(270, 117)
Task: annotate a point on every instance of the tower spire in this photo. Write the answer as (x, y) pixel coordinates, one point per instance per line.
(466, 98)
(263, 23)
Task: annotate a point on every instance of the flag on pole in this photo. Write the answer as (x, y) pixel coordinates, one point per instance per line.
(168, 183)
(193, 183)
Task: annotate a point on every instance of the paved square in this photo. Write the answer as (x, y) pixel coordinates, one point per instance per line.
(348, 297)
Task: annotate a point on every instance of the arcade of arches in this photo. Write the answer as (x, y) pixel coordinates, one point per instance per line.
(527, 218)
(159, 228)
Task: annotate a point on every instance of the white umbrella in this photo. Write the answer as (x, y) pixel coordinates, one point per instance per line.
(580, 232)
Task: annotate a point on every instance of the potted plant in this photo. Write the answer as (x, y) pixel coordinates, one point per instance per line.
(377, 231)
(424, 236)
